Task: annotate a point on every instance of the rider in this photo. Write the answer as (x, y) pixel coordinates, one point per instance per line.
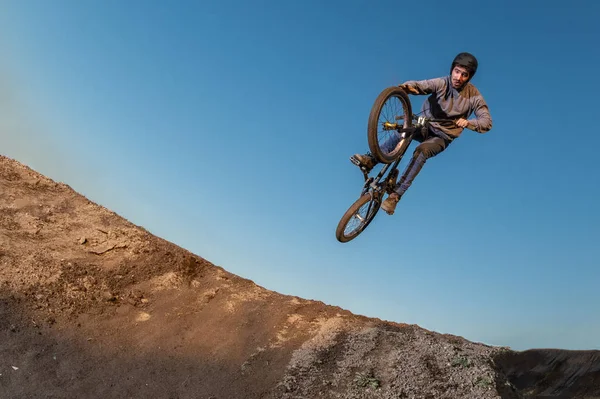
(451, 97)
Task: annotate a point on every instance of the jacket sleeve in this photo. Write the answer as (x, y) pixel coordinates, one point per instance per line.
(482, 122)
(426, 86)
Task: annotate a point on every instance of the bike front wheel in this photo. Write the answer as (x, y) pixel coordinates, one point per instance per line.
(358, 217)
(391, 110)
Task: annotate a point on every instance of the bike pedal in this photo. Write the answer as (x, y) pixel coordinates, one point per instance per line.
(354, 160)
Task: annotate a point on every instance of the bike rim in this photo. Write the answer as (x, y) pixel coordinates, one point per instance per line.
(361, 217)
(391, 114)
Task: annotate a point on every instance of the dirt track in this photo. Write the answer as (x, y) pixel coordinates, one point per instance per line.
(92, 306)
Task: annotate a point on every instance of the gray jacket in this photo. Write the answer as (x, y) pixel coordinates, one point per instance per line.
(446, 102)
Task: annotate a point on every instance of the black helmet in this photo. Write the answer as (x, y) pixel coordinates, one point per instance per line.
(466, 60)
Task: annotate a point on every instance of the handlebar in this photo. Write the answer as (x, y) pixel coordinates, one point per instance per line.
(441, 120)
(425, 119)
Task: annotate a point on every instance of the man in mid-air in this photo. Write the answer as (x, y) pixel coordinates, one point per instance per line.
(451, 97)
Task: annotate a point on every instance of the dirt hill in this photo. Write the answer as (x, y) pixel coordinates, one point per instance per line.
(93, 306)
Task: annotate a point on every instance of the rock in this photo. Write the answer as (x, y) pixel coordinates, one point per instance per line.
(108, 296)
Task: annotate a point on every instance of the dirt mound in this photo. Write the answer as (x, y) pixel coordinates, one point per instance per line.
(94, 306)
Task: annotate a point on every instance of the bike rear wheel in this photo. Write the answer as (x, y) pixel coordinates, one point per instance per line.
(362, 211)
(391, 108)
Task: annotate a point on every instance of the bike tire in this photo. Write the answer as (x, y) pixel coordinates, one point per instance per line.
(373, 124)
(366, 198)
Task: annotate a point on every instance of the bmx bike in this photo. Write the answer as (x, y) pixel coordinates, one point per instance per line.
(391, 121)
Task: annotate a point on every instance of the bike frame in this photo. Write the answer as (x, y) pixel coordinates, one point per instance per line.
(374, 183)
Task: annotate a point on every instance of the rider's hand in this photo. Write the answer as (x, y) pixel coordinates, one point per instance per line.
(409, 89)
(462, 122)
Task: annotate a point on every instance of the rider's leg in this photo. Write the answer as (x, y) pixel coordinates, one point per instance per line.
(427, 149)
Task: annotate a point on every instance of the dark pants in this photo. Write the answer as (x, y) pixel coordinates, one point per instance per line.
(430, 146)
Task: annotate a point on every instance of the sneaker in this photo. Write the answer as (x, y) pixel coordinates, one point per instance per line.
(389, 205)
(367, 160)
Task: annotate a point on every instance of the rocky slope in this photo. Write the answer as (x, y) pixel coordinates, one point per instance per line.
(553, 373)
(92, 306)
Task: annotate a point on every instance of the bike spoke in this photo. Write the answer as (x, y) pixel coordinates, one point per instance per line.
(390, 112)
(357, 216)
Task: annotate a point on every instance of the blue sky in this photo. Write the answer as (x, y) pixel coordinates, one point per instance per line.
(226, 126)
